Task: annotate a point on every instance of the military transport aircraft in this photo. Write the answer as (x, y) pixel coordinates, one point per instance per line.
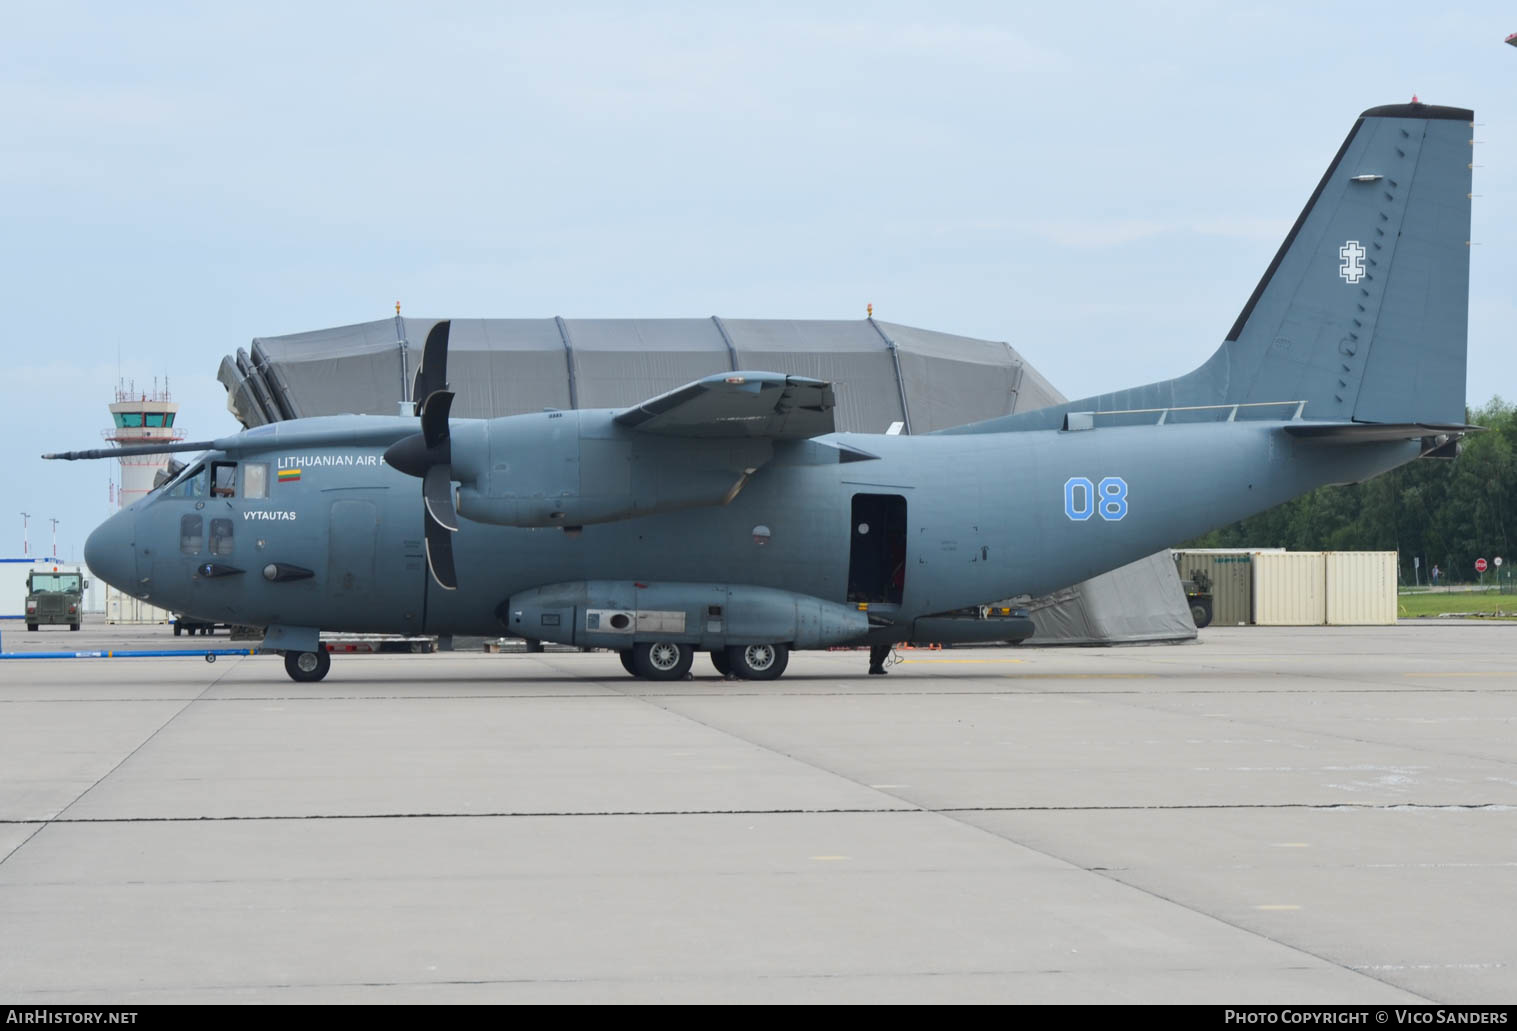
(728, 517)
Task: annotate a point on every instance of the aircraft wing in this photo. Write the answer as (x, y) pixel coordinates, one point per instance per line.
(738, 404)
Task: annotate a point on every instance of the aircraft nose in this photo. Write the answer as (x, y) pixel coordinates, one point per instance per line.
(108, 551)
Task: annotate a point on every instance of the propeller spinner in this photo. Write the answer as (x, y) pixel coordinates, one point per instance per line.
(428, 455)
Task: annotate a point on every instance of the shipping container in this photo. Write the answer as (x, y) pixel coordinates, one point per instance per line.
(1232, 581)
(124, 609)
(1361, 588)
(1290, 588)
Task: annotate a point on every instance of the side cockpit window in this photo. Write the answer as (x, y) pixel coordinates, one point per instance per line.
(223, 479)
(255, 479)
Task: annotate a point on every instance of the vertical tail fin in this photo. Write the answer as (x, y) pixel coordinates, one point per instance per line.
(1363, 313)
(1365, 309)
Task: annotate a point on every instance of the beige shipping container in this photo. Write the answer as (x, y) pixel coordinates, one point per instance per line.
(1232, 578)
(126, 610)
(1290, 588)
(1361, 588)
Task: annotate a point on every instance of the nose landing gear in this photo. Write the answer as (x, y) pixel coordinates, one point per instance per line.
(307, 667)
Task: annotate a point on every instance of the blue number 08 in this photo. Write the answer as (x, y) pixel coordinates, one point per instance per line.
(1082, 499)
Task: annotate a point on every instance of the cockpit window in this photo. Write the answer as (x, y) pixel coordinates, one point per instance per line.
(166, 475)
(223, 479)
(255, 479)
(191, 485)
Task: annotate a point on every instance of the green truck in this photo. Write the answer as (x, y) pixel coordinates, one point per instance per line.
(55, 598)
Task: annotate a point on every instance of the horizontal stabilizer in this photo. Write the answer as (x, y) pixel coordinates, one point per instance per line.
(1375, 432)
(738, 404)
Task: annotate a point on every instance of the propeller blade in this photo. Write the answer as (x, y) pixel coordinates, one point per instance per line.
(440, 554)
(432, 373)
(434, 417)
(429, 455)
(437, 492)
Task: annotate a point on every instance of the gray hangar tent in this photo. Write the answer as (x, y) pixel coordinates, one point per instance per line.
(884, 374)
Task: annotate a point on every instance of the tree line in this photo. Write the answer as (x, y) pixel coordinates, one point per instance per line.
(1438, 512)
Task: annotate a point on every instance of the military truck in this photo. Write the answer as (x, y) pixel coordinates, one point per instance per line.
(1198, 595)
(54, 597)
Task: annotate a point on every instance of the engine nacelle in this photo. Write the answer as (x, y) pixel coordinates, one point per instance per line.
(578, 468)
(620, 613)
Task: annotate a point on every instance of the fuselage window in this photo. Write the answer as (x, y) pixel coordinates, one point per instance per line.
(221, 537)
(223, 479)
(191, 534)
(255, 480)
(192, 486)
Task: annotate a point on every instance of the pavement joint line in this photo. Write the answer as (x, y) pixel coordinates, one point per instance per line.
(1115, 876)
(845, 811)
(124, 759)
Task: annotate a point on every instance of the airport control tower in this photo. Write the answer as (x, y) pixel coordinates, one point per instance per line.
(138, 417)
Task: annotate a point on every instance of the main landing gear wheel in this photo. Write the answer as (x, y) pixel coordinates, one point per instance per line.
(758, 661)
(719, 660)
(662, 660)
(626, 658)
(307, 667)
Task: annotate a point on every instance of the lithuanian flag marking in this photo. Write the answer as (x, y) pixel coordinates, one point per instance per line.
(289, 475)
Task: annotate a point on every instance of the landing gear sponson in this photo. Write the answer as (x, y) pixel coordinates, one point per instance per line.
(657, 628)
(748, 631)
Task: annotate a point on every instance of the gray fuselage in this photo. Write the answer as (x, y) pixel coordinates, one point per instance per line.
(986, 517)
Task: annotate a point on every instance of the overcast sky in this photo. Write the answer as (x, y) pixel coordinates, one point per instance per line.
(1101, 185)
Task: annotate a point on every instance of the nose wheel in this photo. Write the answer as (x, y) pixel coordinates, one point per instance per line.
(307, 667)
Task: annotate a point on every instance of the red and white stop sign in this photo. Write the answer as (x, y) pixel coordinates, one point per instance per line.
(1480, 565)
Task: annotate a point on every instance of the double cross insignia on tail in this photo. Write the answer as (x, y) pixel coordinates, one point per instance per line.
(1352, 269)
